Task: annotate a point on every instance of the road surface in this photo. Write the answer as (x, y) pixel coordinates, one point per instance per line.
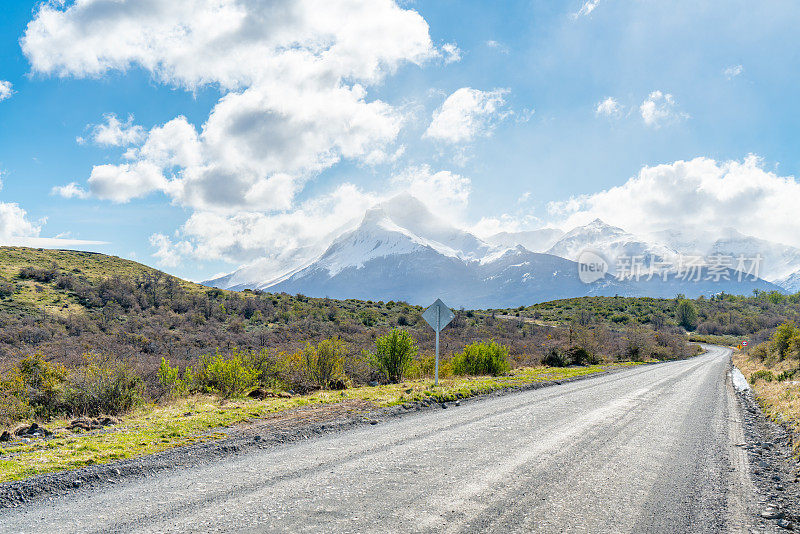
(650, 449)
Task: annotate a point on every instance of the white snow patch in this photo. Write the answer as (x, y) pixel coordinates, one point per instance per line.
(739, 381)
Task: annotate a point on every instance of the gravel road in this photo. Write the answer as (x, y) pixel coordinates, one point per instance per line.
(650, 449)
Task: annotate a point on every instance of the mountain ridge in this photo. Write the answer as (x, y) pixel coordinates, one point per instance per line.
(402, 251)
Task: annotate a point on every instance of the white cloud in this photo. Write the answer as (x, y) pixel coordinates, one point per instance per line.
(466, 114)
(17, 229)
(14, 223)
(700, 194)
(5, 90)
(733, 71)
(272, 244)
(586, 8)
(167, 253)
(294, 76)
(121, 183)
(452, 53)
(609, 107)
(659, 109)
(444, 192)
(71, 190)
(489, 226)
(275, 242)
(115, 133)
(496, 45)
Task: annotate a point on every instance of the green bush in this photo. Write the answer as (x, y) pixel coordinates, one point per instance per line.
(394, 353)
(761, 374)
(45, 385)
(482, 358)
(229, 377)
(99, 387)
(171, 381)
(324, 363)
(787, 374)
(554, 358)
(581, 356)
(686, 314)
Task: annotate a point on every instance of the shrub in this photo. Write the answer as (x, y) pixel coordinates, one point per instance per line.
(170, 379)
(99, 387)
(620, 318)
(686, 314)
(45, 385)
(788, 374)
(580, 356)
(482, 358)
(425, 366)
(14, 404)
(227, 376)
(324, 363)
(394, 353)
(761, 374)
(554, 358)
(783, 337)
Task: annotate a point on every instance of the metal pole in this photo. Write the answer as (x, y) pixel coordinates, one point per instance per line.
(438, 327)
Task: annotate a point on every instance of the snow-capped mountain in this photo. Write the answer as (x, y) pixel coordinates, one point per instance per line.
(611, 241)
(533, 240)
(402, 251)
(777, 262)
(790, 283)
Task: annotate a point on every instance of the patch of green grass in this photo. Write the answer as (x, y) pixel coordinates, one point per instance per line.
(154, 428)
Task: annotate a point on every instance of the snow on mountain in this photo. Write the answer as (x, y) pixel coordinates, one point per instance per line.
(533, 240)
(402, 251)
(790, 283)
(611, 241)
(778, 261)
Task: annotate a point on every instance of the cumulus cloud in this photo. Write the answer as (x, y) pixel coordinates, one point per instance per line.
(14, 223)
(467, 114)
(270, 244)
(609, 107)
(659, 109)
(733, 71)
(71, 190)
(113, 132)
(294, 77)
(701, 194)
(121, 183)
(5, 90)
(444, 192)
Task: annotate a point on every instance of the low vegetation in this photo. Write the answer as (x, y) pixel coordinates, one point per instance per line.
(773, 370)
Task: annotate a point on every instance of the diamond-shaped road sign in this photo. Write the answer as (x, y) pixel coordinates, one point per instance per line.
(438, 315)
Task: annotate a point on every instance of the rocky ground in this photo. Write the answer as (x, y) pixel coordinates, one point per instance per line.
(774, 470)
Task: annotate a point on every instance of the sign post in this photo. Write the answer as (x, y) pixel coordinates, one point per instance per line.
(438, 316)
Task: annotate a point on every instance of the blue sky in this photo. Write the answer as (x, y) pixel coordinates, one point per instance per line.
(519, 89)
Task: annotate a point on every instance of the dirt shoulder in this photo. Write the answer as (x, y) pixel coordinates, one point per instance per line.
(775, 470)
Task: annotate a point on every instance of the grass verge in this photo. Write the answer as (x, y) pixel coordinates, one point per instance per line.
(779, 400)
(154, 428)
